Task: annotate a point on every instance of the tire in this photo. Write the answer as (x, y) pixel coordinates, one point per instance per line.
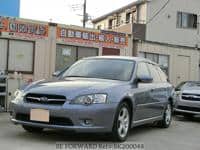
(122, 123)
(32, 129)
(167, 117)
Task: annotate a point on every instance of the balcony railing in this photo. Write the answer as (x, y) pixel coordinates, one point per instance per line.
(136, 27)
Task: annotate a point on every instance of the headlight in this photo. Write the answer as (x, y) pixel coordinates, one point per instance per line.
(177, 93)
(19, 95)
(90, 99)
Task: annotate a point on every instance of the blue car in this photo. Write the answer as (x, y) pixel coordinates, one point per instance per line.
(104, 94)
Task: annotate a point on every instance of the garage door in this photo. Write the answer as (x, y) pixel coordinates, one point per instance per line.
(3, 54)
(87, 52)
(183, 65)
(110, 51)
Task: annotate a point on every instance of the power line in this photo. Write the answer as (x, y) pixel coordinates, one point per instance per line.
(154, 16)
(83, 7)
(159, 11)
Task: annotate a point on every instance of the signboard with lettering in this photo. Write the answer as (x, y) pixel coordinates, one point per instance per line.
(20, 28)
(102, 38)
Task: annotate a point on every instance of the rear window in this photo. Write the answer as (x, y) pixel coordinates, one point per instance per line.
(154, 73)
(142, 70)
(163, 76)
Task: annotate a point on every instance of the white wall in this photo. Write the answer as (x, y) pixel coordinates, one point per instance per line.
(173, 53)
(103, 24)
(163, 28)
(142, 13)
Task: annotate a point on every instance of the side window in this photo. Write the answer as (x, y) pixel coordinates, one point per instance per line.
(162, 75)
(154, 73)
(142, 70)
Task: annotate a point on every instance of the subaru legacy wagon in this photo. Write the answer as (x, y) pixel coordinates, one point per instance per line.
(104, 94)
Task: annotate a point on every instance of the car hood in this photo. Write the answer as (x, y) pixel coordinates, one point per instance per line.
(191, 91)
(73, 86)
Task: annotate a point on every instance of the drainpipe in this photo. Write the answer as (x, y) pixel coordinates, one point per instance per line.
(198, 24)
(198, 38)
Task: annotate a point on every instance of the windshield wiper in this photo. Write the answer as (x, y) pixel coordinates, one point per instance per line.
(76, 76)
(91, 77)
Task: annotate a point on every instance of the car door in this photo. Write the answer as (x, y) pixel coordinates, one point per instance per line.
(158, 94)
(142, 94)
(166, 89)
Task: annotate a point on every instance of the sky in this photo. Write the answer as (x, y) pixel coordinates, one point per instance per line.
(67, 11)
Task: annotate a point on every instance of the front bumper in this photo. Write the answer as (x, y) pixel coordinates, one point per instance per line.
(187, 107)
(181, 111)
(101, 116)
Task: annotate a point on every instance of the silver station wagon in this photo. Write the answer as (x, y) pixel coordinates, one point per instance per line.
(105, 94)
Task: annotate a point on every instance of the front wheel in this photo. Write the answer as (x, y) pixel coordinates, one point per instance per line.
(122, 123)
(167, 117)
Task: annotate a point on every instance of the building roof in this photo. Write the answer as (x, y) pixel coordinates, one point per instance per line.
(138, 2)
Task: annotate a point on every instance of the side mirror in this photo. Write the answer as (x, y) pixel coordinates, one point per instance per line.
(144, 79)
(56, 74)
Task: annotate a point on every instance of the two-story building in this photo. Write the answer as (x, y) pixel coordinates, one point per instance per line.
(165, 31)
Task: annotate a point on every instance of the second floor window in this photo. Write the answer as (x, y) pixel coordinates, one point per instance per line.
(118, 20)
(186, 20)
(128, 17)
(99, 27)
(110, 24)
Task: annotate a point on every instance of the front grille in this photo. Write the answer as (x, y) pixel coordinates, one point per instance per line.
(45, 99)
(190, 97)
(53, 120)
(189, 108)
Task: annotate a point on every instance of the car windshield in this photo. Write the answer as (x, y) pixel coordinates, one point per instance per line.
(112, 69)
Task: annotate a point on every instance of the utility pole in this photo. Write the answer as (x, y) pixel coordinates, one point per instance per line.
(84, 13)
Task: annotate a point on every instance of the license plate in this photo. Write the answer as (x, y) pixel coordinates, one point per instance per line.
(39, 115)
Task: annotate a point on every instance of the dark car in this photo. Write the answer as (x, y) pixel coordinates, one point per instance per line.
(187, 97)
(97, 94)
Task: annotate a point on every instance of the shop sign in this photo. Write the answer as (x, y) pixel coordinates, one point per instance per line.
(21, 28)
(103, 37)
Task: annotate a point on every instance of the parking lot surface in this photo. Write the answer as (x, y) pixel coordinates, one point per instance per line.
(184, 134)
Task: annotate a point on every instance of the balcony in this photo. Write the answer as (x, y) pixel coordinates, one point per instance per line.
(124, 28)
(139, 31)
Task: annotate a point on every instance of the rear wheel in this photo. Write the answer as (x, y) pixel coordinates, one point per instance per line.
(167, 117)
(32, 129)
(121, 123)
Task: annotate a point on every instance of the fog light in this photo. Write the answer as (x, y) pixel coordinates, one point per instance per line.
(86, 122)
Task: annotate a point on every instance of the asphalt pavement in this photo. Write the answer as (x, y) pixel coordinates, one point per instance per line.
(184, 134)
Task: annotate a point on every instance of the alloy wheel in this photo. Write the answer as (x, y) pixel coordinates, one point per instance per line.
(123, 122)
